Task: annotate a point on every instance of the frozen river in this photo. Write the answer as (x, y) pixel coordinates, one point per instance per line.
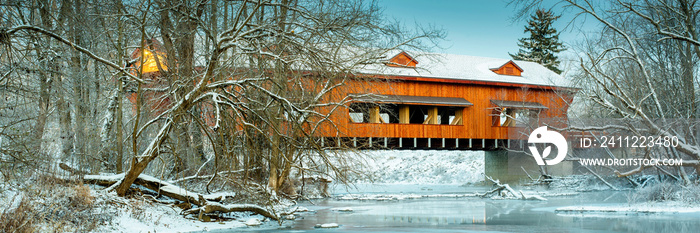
(470, 214)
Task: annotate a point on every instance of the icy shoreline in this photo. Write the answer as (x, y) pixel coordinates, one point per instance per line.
(667, 207)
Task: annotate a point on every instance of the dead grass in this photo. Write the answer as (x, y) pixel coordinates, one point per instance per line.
(52, 205)
(18, 219)
(82, 198)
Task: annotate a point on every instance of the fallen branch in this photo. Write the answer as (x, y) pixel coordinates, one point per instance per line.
(518, 195)
(533, 197)
(667, 173)
(486, 194)
(221, 173)
(601, 178)
(528, 174)
(503, 186)
(72, 171)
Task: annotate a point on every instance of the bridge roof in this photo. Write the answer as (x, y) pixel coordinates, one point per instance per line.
(518, 104)
(463, 67)
(406, 99)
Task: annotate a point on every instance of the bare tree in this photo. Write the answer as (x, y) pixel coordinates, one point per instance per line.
(641, 72)
(236, 91)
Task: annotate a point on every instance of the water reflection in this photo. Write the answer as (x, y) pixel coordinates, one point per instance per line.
(469, 214)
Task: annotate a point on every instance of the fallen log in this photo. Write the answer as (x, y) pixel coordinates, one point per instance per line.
(152, 183)
(162, 187)
(207, 203)
(212, 207)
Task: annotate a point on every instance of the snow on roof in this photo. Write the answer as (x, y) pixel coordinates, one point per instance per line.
(463, 67)
(431, 65)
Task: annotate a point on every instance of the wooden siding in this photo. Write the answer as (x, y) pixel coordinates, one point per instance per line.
(477, 119)
(402, 60)
(510, 68)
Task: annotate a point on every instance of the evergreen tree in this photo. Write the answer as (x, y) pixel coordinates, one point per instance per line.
(543, 43)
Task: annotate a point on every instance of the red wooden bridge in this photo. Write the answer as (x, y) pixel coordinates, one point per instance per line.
(443, 101)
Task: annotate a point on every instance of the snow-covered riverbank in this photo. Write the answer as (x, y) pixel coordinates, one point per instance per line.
(384, 166)
(438, 177)
(142, 216)
(425, 167)
(644, 207)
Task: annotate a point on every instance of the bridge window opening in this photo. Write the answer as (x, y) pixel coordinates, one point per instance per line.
(359, 113)
(373, 113)
(516, 113)
(405, 114)
(514, 117)
(418, 114)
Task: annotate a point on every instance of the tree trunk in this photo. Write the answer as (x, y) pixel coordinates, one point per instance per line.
(138, 164)
(45, 78)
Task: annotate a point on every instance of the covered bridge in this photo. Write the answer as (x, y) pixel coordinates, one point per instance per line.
(428, 100)
(443, 101)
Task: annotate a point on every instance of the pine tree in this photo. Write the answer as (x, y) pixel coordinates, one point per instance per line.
(543, 43)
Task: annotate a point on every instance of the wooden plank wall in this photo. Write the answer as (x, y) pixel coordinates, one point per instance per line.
(477, 119)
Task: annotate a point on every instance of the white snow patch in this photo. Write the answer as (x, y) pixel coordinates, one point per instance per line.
(646, 207)
(396, 197)
(253, 222)
(343, 209)
(223, 195)
(140, 216)
(425, 166)
(9, 198)
(327, 225)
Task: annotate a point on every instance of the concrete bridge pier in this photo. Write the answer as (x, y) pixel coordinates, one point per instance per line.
(507, 166)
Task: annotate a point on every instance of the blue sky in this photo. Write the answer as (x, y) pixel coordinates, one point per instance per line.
(477, 28)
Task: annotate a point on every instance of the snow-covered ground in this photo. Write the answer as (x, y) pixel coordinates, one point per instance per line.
(424, 167)
(149, 217)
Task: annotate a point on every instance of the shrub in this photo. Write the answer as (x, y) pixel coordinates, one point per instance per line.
(82, 198)
(663, 191)
(690, 194)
